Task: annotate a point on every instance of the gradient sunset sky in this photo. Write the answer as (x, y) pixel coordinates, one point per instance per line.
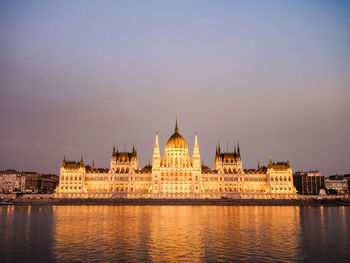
(76, 76)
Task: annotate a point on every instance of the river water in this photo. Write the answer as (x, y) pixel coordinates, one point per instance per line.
(174, 233)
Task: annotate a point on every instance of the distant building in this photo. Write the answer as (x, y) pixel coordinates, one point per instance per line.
(12, 181)
(49, 182)
(337, 184)
(33, 183)
(347, 178)
(308, 183)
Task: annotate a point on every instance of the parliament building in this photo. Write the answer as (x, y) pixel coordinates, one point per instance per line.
(176, 175)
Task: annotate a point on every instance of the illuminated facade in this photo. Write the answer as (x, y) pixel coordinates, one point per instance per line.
(175, 175)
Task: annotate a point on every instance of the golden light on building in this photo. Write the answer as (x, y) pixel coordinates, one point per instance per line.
(175, 175)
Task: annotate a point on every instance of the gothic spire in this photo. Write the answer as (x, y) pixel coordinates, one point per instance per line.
(238, 151)
(196, 154)
(113, 154)
(156, 152)
(176, 128)
(81, 161)
(196, 147)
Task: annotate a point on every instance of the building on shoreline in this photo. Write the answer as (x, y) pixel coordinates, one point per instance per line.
(337, 184)
(308, 183)
(176, 175)
(12, 181)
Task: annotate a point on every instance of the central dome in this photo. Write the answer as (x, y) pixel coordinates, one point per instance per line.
(176, 140)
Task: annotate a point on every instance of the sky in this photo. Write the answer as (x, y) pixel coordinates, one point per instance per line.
(78, 76)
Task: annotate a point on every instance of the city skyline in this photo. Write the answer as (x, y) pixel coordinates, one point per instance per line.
(75, 78)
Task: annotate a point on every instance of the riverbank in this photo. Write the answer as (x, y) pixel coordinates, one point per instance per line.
(193, 202)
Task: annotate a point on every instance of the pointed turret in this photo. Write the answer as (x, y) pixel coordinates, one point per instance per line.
(196, 140)
(81, 161)
(134, 153)
(259, 165)
(64, 161)
(176, 130)
(156, 154)
(93, 165)
(238, 151)
(156, 142)
(196, 155)
(217, 155)
(288, 164)
(113, 153)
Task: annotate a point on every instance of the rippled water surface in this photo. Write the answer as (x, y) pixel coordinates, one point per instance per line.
(174, 233)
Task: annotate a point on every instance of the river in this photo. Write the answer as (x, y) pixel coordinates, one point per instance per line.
(174, 233)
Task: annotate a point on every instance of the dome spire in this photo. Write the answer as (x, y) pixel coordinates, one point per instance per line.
(176, 128)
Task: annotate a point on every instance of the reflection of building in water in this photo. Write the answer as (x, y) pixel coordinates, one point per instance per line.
(177, 233)
(176, 175)
(109, 233)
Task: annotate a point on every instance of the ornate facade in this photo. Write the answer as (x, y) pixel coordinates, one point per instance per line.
(175, 175)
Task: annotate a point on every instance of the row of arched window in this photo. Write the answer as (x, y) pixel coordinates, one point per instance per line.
(231, 171)
(70, 178)
(122, 170)
(281, 179)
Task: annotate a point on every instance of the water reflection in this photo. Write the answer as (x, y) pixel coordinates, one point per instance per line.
(173, 233)
(26, 233)
(325, 234)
